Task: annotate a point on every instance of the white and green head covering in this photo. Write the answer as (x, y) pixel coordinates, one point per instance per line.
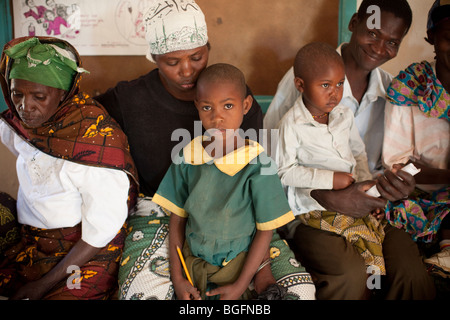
(47, 64)
(174, 25)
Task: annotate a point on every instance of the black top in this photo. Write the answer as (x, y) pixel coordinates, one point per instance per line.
(149, 115)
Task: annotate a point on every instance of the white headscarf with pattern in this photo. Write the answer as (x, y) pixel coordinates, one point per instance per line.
(174, 25)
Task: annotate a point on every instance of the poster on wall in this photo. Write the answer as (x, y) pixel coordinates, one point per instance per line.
(100, 27)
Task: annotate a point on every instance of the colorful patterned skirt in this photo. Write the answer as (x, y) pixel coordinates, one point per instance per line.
(421, 214)
(39, 250)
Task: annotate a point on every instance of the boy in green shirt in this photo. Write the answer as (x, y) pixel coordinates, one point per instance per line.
(225, 205)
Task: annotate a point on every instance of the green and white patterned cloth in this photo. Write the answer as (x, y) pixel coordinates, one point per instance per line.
(144, 272)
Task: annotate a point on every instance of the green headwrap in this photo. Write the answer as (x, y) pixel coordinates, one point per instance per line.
(47, 64)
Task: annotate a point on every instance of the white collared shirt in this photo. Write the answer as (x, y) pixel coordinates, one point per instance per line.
(308, 153)
(369, 114)
(56, 193)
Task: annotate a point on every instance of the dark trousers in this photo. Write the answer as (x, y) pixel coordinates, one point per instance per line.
(339, 271)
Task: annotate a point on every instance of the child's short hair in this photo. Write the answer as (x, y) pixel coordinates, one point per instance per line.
(313, 56)
(220, 72)
(399, 8)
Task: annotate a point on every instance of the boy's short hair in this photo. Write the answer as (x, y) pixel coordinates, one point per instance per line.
(220, 72)
(399, 8)
(314, 56)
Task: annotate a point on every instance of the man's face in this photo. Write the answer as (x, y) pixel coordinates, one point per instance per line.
(370, 48)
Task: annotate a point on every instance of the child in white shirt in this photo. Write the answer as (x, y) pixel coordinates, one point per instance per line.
(319, 145)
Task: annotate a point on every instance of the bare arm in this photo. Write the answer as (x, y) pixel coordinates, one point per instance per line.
(353, 200)
(258, 250)
(433, 176)
(429, 175)
(79, 255)
(183, 289)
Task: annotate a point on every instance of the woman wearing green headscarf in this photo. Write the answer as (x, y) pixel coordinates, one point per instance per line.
(77, 180)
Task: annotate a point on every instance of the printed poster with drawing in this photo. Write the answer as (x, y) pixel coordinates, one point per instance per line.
(94, 27)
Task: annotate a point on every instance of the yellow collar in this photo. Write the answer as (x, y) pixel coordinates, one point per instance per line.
(230, 164)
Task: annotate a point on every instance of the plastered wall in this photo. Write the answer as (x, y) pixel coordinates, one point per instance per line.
(413, 48)
(259, 36)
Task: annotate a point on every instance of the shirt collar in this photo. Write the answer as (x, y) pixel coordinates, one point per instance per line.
(230, 164)
(375, 88)
(302, 115)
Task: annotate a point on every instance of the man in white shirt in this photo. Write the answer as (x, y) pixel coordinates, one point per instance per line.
(338, 268)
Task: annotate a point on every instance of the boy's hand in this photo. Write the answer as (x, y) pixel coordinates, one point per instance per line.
(227, 292)
(185, 291)
(342, 180)
(378, 213)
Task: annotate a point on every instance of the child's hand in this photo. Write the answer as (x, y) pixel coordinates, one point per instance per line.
(227, 292)
(185, 291)
(378, 214)
(342, 180)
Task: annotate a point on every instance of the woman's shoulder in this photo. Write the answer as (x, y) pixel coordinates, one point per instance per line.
(132, 92)
(129, 88)
(416, 68)
(139, 83)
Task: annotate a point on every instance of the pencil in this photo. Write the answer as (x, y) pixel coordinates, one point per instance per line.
(184, 265)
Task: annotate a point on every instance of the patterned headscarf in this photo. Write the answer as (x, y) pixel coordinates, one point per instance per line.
(48, 64)
(174, 25)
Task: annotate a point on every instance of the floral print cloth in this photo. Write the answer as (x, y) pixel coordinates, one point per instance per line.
(421, 215)
(419, 86)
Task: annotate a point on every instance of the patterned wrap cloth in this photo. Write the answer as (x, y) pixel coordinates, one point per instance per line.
(9, 227)
(421, 214)
(419, 86)
(40, 250)
(81, 131)
(144, 270)
(365, 234)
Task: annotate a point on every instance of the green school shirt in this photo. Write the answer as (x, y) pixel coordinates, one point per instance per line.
(224, 200)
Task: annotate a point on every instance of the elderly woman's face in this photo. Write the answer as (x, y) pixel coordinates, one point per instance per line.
(35, 103)
(179, 71)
